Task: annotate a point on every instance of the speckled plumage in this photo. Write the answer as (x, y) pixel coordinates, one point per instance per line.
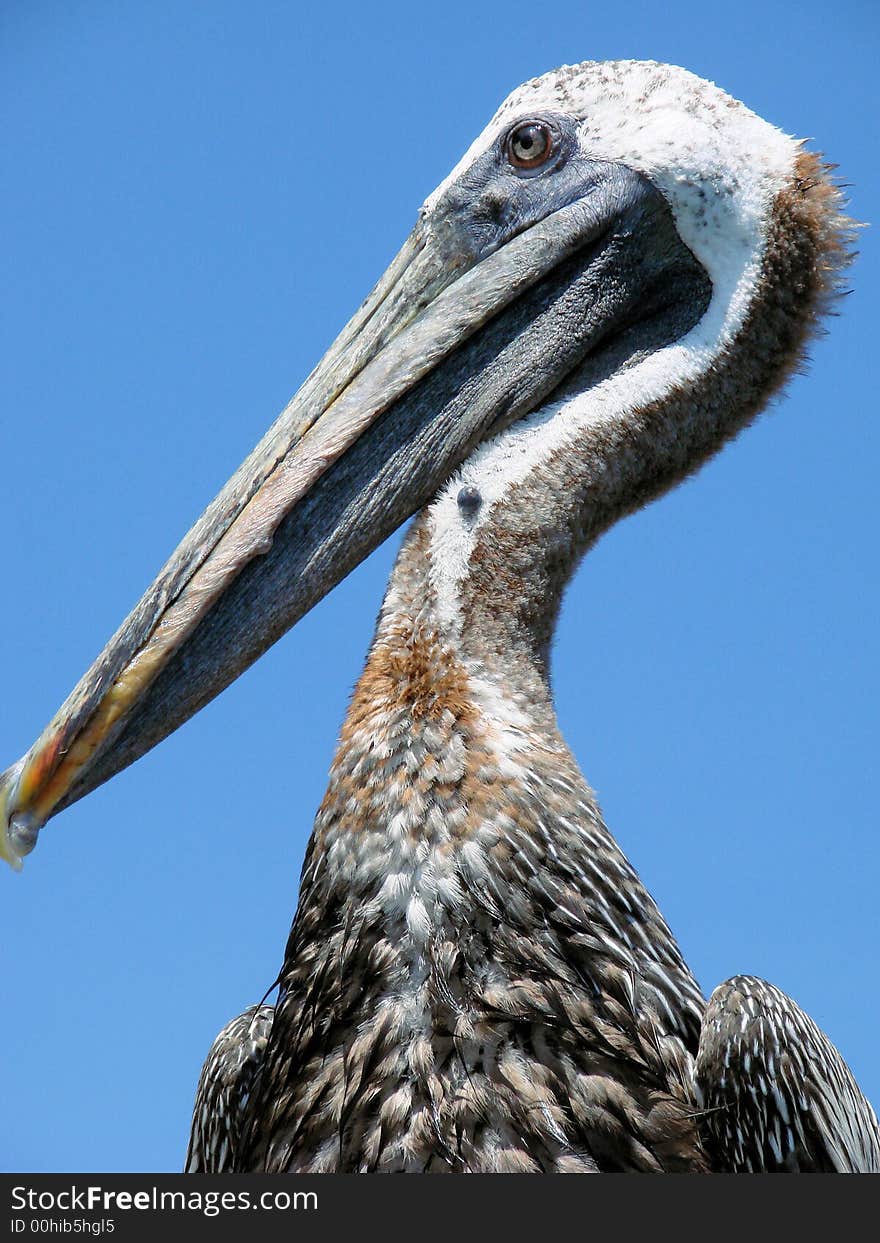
(476, 980)
(224, 1090)
(775, 1095)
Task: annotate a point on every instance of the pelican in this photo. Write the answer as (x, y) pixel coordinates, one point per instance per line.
(613, 281)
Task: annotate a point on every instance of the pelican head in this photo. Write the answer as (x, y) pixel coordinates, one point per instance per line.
(609, 285)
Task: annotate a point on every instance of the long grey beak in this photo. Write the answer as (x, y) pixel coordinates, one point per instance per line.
(456, 340)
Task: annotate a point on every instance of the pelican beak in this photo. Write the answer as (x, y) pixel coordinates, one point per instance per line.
(463, 334)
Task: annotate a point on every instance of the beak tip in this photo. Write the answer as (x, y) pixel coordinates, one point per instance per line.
(18, 830)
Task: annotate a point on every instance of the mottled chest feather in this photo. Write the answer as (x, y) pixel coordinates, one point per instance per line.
(476, 979)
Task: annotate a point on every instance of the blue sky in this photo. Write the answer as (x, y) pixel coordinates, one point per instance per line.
(197, 197)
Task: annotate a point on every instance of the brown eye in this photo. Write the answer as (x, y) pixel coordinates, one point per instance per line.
(530, 145)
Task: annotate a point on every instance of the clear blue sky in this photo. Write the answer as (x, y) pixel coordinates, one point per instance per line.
(196, 196)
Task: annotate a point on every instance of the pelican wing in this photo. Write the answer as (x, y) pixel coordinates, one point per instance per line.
(777, 1095)
(225, 1086)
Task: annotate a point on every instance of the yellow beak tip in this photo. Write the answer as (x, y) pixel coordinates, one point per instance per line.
(18, 829)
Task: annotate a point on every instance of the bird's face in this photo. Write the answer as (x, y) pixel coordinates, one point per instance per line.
(715, 163)
(705, 344)
(603, 204)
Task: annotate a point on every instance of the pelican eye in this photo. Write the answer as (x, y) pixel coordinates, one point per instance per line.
(529, 145)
